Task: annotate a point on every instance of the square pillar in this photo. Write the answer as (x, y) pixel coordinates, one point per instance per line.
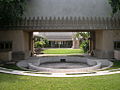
(104, 44)
(76, 44)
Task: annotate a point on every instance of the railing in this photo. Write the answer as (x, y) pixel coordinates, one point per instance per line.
(66, 23)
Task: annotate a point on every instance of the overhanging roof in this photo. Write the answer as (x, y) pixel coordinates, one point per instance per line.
(56, 36)
(64, 23)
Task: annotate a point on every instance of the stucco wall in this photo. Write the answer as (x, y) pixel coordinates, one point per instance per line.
(108, 40)
(116, 35)
(27, 50)
(26, 41)
(20, 43)
(99, 39)
(15, 36)
(68, 8)
(105, 43)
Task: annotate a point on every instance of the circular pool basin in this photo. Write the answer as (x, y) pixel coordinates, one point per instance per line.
(64, 64)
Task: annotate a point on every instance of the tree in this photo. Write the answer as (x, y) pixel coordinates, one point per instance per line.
(11, 10)
(84, 39)
(82, 35)
(40, 42)
(115, 4)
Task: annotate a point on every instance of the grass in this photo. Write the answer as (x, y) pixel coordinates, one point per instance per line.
(63, 51)
(116, 64)
(16, 82)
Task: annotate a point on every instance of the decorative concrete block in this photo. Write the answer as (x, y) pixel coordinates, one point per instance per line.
(18, 55)
(6, 55)
(117, 54)
(104, 54)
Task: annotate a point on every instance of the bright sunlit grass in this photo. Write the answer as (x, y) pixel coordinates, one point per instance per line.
(63, 51)
(16, 82)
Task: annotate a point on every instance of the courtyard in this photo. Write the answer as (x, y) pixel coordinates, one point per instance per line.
(59, 44)
(76, 82)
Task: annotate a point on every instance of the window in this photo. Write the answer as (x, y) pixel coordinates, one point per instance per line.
(116, 44)
(5, 45)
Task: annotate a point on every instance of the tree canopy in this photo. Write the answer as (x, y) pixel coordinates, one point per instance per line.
(115, 4)
(11, 10)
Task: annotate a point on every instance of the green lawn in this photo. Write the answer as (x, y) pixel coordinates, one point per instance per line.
(116, 64)
(10, 66)
(16, 82)
(63, 51)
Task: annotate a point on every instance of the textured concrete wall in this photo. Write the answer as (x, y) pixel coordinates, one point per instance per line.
(6, 56)
(68, 8)
(15, 36)
(108, 40)
(27, 44)
(105, 43)
(99, 39)
(20, 43)
(26, 41)
(116, 35)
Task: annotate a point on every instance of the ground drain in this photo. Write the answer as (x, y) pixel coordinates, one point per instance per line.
(62, 60)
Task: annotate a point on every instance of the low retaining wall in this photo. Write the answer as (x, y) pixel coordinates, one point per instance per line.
(87, 69)
(104, 54)
(6, 55)
(117, 54)
(34, 64)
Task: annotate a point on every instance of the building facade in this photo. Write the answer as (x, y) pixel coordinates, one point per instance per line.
(64, 16)
(59, 39)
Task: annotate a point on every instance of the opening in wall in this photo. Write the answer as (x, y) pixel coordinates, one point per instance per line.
(117, 45)
(5, 45)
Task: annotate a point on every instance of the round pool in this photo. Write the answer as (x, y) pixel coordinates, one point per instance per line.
(64, 64)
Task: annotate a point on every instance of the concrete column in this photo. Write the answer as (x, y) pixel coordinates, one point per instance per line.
(92, 43)
(104, 44)
(76, 43)
(31, 43)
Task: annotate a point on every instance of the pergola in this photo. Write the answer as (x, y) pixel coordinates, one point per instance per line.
(60, 24)
(104, 31)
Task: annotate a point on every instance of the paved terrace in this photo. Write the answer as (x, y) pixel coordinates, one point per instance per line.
(41, 74)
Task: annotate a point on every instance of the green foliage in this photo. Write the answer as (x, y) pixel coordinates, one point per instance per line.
(10, 66)
(85, 46)
(115, 4)
(83, 37)
(63, 51)
(46, 43)
(116, 64)
(11, 10)
(39, 44)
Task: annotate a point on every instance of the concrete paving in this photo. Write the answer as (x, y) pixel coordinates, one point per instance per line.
(60, 65)
(64, 65)
(98, 73)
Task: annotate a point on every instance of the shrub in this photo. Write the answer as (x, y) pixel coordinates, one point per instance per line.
(39, 44)
(85, 46)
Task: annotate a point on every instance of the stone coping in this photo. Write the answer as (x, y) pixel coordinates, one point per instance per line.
(86, 69)
(98, 73)
(95, 64)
